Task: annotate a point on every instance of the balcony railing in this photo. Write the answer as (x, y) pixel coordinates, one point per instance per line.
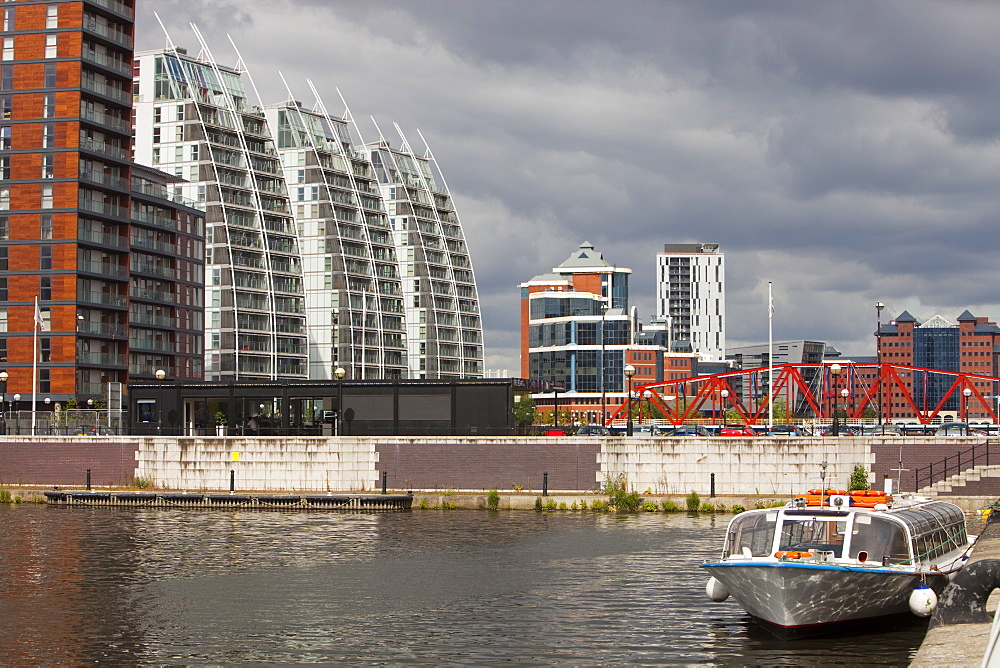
(105, 298)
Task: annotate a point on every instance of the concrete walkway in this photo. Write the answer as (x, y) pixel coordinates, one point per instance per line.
(962, 644)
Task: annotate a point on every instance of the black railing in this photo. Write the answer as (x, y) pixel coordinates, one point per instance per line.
(961, 461)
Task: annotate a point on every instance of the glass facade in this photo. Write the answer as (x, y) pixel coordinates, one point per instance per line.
(935, 348)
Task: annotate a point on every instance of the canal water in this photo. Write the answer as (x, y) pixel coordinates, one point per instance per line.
(195, 587)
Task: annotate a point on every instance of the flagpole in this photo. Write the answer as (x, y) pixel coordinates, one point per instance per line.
(770, 357)
(34, 366)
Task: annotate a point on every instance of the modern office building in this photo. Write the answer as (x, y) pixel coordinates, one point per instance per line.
(354, 295)
(576, 332)
(108, 252)
(691, 297)
(444, 328)
(971, 345)
(193, 118)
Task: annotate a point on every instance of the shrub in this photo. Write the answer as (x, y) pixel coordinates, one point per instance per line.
(669, 506)
(538, 503)
(445, 505)
(693, 501)
(516, 487)
(650, 506)
(448, 492)
(707, 508)
(616, 487)
(573, 507)
(550, 505)
(598, 505)
(493, 499)
(737, 509)
(423, 504)
(859, 478)
(583, 504)
(562, 506)
(142, 483)
(4, 496)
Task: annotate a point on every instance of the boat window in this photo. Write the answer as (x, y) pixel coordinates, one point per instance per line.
(813, 534)
(937, 528)
(754, 531)
(883, 540)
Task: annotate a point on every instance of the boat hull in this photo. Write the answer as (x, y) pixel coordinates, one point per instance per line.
(802, 598)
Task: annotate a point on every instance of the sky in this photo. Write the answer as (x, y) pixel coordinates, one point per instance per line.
(848, 152)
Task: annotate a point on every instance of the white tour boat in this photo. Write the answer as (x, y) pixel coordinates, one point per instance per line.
(837, 557)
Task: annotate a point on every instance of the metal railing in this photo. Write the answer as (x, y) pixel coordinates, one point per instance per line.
(978, 454)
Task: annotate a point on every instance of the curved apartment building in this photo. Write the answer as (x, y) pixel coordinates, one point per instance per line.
(193, 119)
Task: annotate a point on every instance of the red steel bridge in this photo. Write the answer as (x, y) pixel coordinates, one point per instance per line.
(816, 391)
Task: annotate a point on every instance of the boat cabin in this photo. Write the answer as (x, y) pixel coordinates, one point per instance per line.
(919, 534)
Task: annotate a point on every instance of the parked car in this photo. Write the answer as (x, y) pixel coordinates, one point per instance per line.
(957, 429)
(593, 430)
(687, 430)
(736, 431)
(647, 430)
(882, 430)
(786, 431)
(842, 430)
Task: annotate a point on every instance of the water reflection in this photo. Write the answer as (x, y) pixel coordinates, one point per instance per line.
(157, 586)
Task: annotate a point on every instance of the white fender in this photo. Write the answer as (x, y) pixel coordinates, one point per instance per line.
(923, 600)
(716, 590)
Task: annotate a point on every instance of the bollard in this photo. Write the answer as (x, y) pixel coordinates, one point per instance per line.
(711, 494)
(88, 480)
(232, 480)
(545, 484)
(384, 475)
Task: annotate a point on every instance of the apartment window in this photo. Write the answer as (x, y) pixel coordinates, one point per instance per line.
(50, 75)
(3, 298)
(6, 107)
(47, 199)
(157, 114)
(179, 133)
(4, 227)
(45, 348)
(180, 112)
(44, 381)
(51, 46)
(48, 166)
(4, 199)
(3, 258)
(45, 261)
(178, 154)
(4, 166)
(156, 156)
(49, 105)
(45, 288)
(52, 16)
(8, 18)
(49, 135)
(45, 222)
(7, 77)
(3, 341)
(5, 137)
(194, 152)
(156, 135)
(8, 48)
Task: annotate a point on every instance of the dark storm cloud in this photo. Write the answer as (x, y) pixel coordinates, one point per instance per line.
(846, 151)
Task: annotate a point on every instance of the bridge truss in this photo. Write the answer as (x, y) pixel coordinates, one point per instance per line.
(812, 391)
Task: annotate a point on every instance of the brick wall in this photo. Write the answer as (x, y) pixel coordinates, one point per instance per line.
(489, 465)
(58, 462)
(916, 454)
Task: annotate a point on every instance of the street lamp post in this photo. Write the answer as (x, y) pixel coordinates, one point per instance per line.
(13, 410)
(725, 396)
(835, 372)
(966, 393)
(160, 375)
(647, 395)
(3, 398)
(845, 393)
(339, 372)
(878, 357)
(629, 372)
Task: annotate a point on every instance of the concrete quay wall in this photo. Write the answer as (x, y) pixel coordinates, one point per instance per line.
(756, 466)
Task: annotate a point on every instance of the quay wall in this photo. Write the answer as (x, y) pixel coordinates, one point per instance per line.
(753, 466)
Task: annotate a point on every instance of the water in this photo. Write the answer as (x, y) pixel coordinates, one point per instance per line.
(193, 587)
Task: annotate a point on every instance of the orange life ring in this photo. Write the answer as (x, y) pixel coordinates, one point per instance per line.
(792, 554)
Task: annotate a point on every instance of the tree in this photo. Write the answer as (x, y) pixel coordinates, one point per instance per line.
(525, 411)
(859, 478)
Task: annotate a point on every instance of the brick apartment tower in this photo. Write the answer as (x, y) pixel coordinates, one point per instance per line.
(116, 265)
